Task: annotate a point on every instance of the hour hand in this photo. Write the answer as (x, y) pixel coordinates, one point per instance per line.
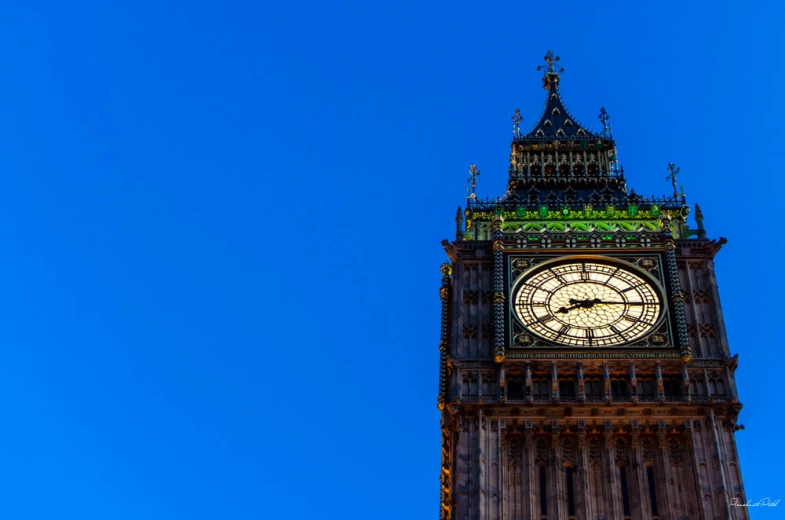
(578, 303)
(584, 303)
(565, 310)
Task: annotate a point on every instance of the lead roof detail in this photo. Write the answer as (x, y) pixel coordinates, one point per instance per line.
(556, 121)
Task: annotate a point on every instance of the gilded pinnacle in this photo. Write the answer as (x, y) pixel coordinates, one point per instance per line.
(550, 59)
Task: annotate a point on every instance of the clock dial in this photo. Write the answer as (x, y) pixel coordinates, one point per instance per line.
(587, 303)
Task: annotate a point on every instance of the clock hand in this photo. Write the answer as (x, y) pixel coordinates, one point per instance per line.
(628, 303)
(586, 304)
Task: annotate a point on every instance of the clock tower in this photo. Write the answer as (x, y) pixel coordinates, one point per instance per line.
(585, 371)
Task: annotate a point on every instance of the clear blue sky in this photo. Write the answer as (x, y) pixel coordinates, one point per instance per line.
(220, 229)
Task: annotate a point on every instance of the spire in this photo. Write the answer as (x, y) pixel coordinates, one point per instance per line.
(555, 121)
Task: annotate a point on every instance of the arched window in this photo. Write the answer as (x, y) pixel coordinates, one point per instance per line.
(541, 388)
(489, 389)
(567, 390)
(593, 390)
(698, 390)
(721, 392)
(647, 390)
(671, 387)
(717, 389)
(470, 387)
(619, 390)
(515, 389)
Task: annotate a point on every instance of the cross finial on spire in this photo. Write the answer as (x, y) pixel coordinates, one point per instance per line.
(516, 122)
(472, 181)
(551, 74)
(550, 59)
(674, 171)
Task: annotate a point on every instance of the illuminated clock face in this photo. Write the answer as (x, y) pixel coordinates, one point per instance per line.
(587, 303)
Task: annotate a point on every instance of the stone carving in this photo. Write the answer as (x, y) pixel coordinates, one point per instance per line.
(470, 331)
(595, 451)
(647, 449)
(622, 450)
(568, 449)
(516, 451)
(674, 450)
(541, 451)
(470, 297)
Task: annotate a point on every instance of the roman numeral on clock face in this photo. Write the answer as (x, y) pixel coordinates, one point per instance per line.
(563, 330)
(617, 331)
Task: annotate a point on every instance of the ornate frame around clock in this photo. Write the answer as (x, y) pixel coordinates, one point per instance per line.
(650, 264)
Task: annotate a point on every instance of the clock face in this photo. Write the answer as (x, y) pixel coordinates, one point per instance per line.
(587, 303)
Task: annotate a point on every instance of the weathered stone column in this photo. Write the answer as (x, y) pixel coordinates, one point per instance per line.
(481, 462)
(664, 477)
(582, 505)
(721, 496)
(531, 476)
(636, 478)
(689, 470)
(557, 493)
(614, 503)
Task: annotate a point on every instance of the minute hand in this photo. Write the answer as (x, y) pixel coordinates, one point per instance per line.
(629, 303)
